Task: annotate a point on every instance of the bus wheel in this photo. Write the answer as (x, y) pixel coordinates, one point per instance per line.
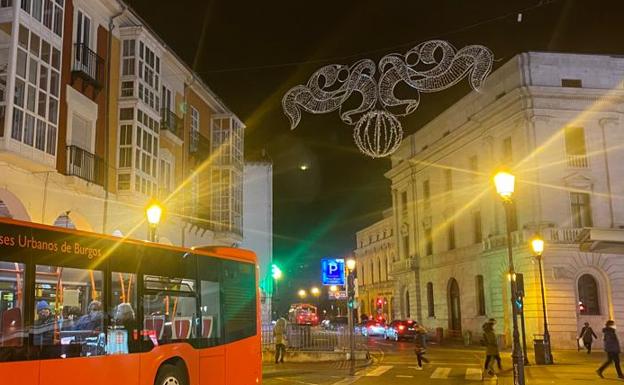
(170, 375)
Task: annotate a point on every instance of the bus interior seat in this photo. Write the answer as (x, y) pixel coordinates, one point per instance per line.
(11, 327)
(207, 326)
(155, 322)
(181, 328)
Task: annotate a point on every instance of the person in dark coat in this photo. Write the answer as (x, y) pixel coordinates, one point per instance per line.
(612, 348)
(588, 336)
(93, 320)
(43, 333)
(491, 346)
(420, 345)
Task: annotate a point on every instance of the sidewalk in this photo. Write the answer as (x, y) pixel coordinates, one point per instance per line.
(571, 367)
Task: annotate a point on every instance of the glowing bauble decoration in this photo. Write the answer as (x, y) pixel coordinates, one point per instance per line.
(378, 134)
(431, 66)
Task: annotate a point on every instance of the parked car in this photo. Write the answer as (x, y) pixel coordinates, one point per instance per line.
(400, 329)
(373, 328)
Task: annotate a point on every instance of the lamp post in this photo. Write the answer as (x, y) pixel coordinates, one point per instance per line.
(505, 184)
(316, 293)
(350, 305)
(537, 245)
(153, 212)
(276, 274)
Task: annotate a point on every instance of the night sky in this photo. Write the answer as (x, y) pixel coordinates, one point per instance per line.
(251, 52)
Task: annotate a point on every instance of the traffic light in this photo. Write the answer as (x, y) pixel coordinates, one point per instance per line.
(519, 304)
(582, 308)
(351, 303)
(520, 284)
(276, 272)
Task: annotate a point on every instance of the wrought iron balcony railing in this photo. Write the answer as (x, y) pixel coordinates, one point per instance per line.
(172, 123)
(85, 165)
(88, 65)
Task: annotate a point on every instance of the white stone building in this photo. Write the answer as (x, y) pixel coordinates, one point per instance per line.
(258, 224)
(556, 121)
(374, 254)
(95, 123)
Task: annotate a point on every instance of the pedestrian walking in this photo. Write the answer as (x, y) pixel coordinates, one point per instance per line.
(420, 340)
(587, 336)
(491, 347)
(279, 334)
(612, 348)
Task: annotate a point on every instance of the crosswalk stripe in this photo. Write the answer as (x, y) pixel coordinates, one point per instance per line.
(378, 371)
(404, 376)
(473, 374)
(441, 373)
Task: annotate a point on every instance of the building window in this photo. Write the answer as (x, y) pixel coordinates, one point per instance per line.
(428, 241)
(573, 83)
(448, 179)
(363, 275)
(194, 130)
(480, 295)
(426, 194)
(430, 300)
(405, 239)
(581, 210)
(477, 228)
(128, 58)
(125, 146)
(404, 204)
(127, 89)
(589, 303)
(372, 271)
(576, 151)
(164, 177)
(450, 228)
(36, 91)
(379, 269)
(474, 166)
(507, 150)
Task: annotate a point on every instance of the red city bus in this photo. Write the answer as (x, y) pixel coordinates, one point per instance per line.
(81, 308)
(303, 314)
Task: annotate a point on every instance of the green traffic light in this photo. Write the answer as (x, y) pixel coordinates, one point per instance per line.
(276, 272)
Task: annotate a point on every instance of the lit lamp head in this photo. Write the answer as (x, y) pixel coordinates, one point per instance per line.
(505, 184)
(302, 293)
(333, 288)
(153, 213)
(537, 245)
(351, 264)
(276, 272)
(315, 291)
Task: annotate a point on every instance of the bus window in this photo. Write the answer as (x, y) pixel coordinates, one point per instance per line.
(11, 311)
(123, 334)
(68, 316)
(211, 312)
(169, 308)
(239, 300)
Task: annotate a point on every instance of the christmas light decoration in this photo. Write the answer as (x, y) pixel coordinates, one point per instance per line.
(431, 66)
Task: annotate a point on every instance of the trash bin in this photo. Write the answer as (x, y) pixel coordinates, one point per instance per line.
(542, 350)
(439, 335)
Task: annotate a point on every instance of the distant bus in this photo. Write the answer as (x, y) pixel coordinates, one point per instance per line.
(303, 314)
(81, 308)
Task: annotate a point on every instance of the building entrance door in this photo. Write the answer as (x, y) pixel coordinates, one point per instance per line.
(454, 308)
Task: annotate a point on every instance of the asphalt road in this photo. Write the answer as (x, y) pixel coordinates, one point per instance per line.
(395, 364)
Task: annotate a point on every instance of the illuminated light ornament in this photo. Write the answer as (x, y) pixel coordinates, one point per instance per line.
(429, 67)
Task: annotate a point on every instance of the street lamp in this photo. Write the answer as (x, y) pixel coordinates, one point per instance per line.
(333, 288)
(505, 185)
(537, 245)
(276, 274)
(350, 305)
(153, 213)
(302, 294)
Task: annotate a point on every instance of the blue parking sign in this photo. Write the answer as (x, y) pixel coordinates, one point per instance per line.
(333, 271)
